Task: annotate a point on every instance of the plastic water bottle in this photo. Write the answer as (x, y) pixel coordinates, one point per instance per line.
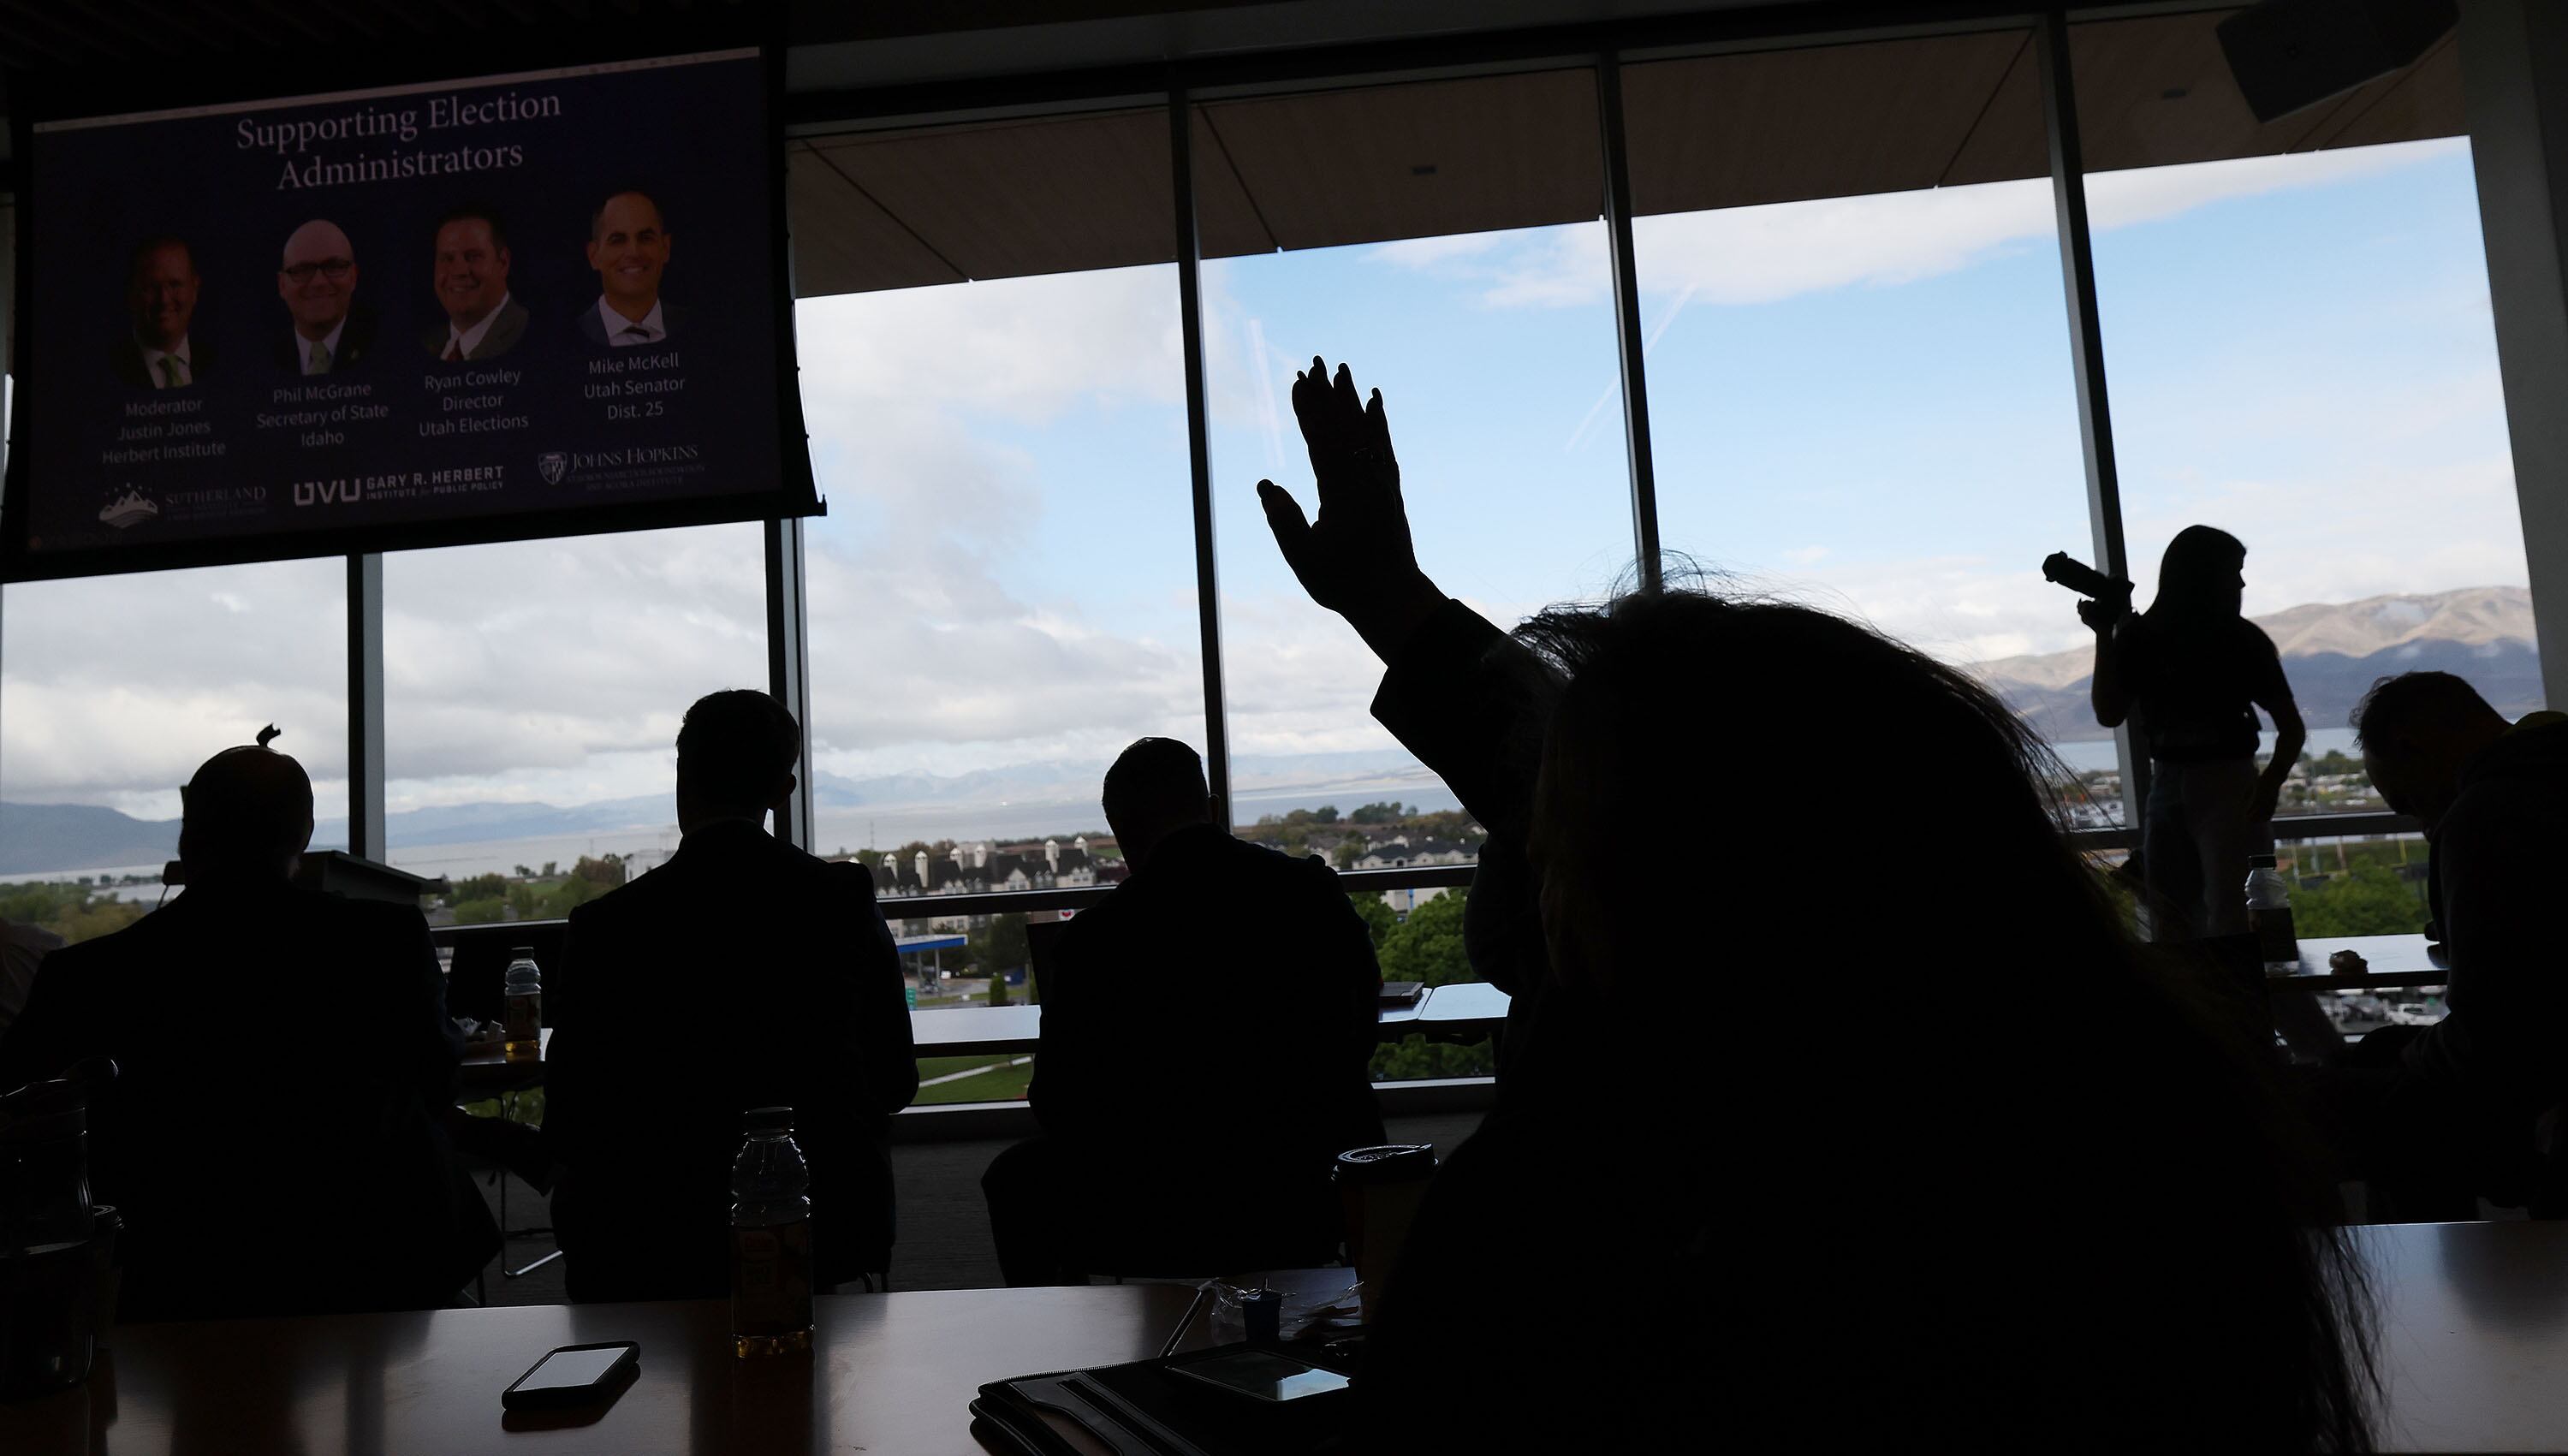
(524, 1017)
(2268, 914)
(770, 1239)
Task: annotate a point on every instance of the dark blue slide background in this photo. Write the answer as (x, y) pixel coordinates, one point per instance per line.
(694, 134)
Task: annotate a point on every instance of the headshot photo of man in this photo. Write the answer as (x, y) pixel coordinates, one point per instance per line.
(161, 286)
(628, 245)
(317, 278)
(481, 320)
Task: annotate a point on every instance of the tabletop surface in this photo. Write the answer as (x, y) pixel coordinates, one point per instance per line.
(2473, 1334)
(890, 1373)
(2474, 1337)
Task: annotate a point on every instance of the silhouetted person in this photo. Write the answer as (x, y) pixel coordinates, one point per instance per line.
(2197, 670)
(1213, 947)
(744, 972)
(273, 1139)
(1454, 691)
(2039, 1224)
(23, 948)
(2439, 1113)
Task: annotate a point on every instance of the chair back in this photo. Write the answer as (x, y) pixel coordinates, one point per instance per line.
(1042, 951)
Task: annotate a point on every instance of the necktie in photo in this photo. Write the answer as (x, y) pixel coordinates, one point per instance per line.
(320, 361)
(636, 334)
(173, 374)
(453, 349)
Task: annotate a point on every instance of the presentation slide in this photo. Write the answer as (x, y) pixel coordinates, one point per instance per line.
(266, 324)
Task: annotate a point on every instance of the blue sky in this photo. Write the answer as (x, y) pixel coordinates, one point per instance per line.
(1864, 401)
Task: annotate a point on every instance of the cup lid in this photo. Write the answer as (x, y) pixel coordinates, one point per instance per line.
(1392, 1162)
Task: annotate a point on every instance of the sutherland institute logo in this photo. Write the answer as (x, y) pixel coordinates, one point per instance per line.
(128, 509)
(552, 465)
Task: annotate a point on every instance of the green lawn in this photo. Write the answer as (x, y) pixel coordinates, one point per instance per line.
(1000, 1083)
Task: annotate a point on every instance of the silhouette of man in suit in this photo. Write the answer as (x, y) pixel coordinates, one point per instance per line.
(317, 278)
(741, 974)
(267, 1037)
(472, 279)
(628, 245)
(1130, 1160)
(160, 288)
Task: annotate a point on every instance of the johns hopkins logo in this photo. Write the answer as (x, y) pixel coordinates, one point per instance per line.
(128, 509)
(552, 465)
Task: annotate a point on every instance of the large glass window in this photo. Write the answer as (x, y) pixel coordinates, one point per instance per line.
(1452, 251)
(117, 687)
(1859, 373)
(2302, 354)
(1002, 595)
(532, 698)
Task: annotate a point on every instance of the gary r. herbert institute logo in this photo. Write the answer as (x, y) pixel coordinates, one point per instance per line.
(128, 509)
(552, 465)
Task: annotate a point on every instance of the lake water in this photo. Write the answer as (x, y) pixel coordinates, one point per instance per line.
(2090, 756)
(883, 828)
(890, 827)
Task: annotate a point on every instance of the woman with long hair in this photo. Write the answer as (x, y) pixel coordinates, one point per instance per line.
(1737, 1184)
(2195, 670)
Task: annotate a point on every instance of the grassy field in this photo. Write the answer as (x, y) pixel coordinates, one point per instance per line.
(1000, 1082)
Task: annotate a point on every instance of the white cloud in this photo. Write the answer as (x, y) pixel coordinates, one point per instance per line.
(1763, 254)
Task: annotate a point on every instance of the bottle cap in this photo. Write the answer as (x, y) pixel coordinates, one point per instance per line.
(768, 1119)
(2259, 861)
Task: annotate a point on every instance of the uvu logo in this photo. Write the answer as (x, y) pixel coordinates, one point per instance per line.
(322, 492)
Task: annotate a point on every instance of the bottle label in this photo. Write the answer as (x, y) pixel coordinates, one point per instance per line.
(771, 1279)
(2275, 938)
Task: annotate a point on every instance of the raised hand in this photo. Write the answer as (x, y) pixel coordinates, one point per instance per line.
(1356, 559)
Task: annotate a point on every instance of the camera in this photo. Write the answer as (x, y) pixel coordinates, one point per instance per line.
(2114, 596)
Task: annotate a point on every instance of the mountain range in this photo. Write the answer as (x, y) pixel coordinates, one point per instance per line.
(41, 838)
(2331, 652)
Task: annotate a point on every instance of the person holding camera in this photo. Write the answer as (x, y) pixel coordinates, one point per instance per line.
(2195, 670)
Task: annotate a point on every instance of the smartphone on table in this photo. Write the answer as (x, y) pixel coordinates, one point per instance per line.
(575, 1375)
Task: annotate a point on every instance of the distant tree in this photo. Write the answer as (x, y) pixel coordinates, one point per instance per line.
(481, 912)
(997, 948)
(571, 894)
(1428, 946)
(605, 871)
(479, 887)
(1414, 1058)
(2372, 900)
(1348, 851)
(1382, 814)
(526, 873)
(910, 850)
(526, 902)
(1328, 815)
(1377, 916)
(552, 867)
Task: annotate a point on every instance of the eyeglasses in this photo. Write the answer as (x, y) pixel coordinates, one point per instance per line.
(333, 268)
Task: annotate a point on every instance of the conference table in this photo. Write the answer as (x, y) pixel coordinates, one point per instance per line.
(2473, 1335)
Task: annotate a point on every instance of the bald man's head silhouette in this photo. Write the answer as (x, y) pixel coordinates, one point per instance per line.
(247, 815)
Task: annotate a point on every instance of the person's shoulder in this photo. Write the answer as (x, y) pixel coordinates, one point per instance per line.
(591, 327)
(369, 917)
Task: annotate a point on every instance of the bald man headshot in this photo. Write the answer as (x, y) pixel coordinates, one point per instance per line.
(317, 278)
(628, 245)
(161, 287)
